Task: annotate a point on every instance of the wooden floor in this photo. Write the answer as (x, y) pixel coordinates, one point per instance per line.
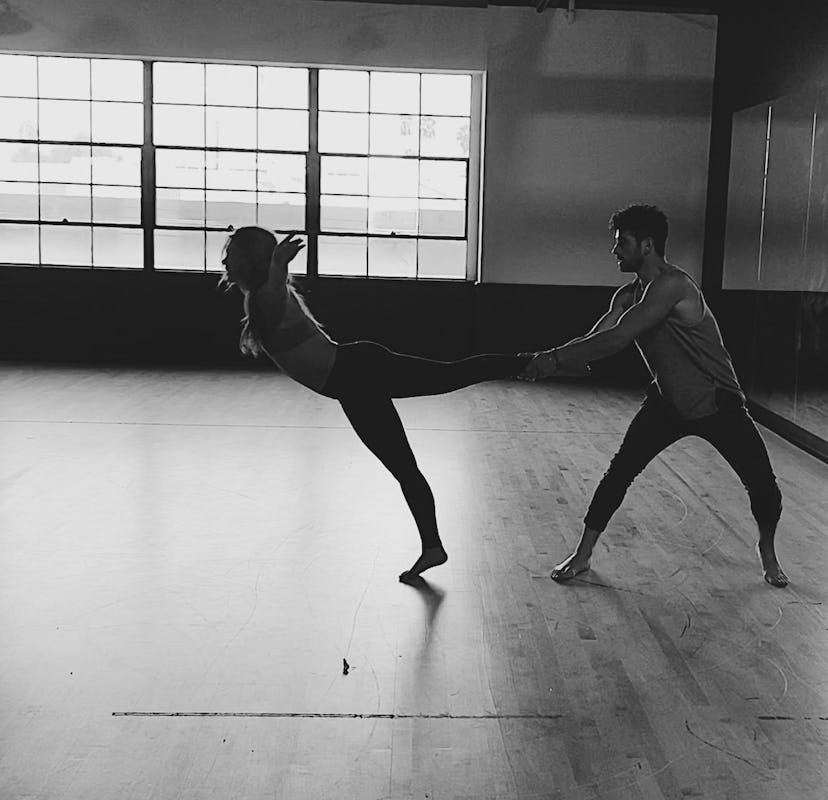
(186, 559)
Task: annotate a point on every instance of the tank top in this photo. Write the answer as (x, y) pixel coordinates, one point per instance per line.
(689, 363)
(300, 348)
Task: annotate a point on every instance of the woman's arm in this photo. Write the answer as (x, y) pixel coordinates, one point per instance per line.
(271, 298)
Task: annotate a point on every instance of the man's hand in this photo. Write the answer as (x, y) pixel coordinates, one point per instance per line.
(547, 363)
(542, 365)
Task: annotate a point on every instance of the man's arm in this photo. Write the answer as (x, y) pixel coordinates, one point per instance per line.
(607, 336)
(622, 299)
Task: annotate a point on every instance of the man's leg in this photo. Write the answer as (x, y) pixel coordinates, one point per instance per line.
(733, 433)
(652, 430)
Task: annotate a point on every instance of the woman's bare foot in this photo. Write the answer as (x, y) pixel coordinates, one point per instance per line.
(771, 570)
(431, 557)
(568, 569)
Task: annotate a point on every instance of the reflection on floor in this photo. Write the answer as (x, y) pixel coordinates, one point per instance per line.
(806, 408)
(188, 561)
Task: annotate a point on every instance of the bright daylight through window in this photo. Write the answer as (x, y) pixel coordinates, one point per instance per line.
(375, 168)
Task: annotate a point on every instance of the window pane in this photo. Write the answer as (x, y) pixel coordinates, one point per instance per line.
(181, 125)
(393, 177)
(19, 243)
(118, 247)
(183, 168)
(344, 175)
(392, 134)
(68, 202)
(343, 214)
(66, 78)
(446, 179)
(64, 120)
(343, 133)
(178, 83)
(19, 201)
(182, 250)
(281, 172)
(341, 255)
(65, 163)
(18, 162)
(231, 127)
(18, 119)
(395, 92)
(116, 165)
(343, 90)
(116, 79)
(116, 204)
(179, 207)
(231, 171)
(231, 85)
(281, 211)
(120, 123)
(392, 215)
(446, 94)
(442, 217)
(283, 87)
(215, 245)
(392, 258)
(441, 259)
(18, 76)
(66, 245)
(230, 208)
(283, 130)
(444, 136)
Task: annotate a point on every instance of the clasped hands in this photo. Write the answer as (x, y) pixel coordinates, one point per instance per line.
(547, 363)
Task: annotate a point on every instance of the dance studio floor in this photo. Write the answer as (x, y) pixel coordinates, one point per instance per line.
(188, 559)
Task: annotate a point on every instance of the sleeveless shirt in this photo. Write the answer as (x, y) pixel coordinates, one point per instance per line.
(689, 363)
(301, 348)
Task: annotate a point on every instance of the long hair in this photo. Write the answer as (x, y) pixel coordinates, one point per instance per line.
(256, 247)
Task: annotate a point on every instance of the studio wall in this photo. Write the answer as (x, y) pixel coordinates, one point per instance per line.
(768, 211)
(581, 118)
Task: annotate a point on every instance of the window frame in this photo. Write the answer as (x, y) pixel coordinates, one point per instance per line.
(312, 230)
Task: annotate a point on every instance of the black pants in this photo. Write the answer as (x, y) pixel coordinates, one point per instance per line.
(366, 377)
(655, 427)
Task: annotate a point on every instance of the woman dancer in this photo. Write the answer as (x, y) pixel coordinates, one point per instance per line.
(363, 376)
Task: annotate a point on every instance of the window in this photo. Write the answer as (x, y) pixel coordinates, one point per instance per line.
(376, 168)
(71, 131)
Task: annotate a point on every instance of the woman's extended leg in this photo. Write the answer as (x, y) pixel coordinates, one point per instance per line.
(370, 366)
(376, 422)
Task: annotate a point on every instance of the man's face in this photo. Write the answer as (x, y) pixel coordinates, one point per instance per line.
(627, 252)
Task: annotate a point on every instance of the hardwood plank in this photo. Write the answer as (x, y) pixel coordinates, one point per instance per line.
(186, 542)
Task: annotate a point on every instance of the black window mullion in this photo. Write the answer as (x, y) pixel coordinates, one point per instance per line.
(148, 174)
(312, 177)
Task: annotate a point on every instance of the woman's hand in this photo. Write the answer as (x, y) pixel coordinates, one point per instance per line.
(284, 252)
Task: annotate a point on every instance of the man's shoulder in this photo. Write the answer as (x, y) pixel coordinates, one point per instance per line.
(676, 281)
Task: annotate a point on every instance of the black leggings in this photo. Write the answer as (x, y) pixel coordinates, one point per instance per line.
(655, 427)
(366, 377)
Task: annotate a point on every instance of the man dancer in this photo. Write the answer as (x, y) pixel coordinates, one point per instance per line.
(694, 391)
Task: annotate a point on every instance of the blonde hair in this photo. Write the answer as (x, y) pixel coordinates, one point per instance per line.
(256, 245)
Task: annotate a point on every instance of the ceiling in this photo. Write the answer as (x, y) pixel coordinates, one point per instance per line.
(674, 6)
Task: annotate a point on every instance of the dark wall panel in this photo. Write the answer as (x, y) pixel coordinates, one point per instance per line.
(64, 315)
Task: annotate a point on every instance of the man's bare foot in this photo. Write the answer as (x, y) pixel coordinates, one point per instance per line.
(771, 570)
(431, 557)
(568, 569)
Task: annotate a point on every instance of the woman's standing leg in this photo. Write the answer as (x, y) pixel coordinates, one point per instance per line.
(377, 424)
